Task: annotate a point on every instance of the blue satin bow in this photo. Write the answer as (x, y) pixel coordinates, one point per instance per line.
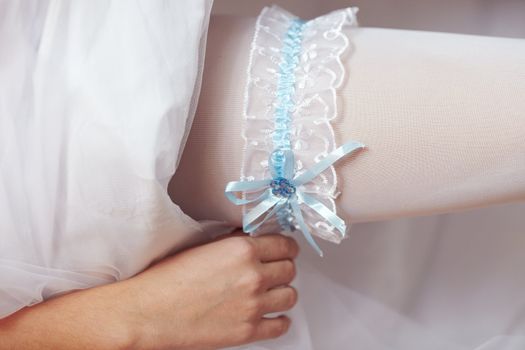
(282, 191)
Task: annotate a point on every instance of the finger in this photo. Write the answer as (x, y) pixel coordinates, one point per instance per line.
(278, 273)
(273, 247)
(272, 327)
(279, 299)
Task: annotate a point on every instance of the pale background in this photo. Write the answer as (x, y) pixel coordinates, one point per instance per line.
(484, 17)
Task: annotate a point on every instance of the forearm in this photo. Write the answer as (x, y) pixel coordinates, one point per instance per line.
(85, 319)
(183, 302)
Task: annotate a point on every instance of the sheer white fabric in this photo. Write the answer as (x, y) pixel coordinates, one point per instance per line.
(96, 102)
(443, 119)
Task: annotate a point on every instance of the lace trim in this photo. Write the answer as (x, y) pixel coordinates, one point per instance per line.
(294, 70)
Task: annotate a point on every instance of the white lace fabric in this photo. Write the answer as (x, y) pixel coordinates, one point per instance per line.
(318, 73)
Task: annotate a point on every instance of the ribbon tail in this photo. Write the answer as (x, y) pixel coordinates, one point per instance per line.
(306, 232)
(238, 186)
(326, 213)
(268, 202)
(327, 161)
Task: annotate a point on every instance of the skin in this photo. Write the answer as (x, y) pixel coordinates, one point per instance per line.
(207, 297)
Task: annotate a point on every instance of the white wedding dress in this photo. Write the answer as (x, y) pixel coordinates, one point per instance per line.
(96, 105)
(96, 102)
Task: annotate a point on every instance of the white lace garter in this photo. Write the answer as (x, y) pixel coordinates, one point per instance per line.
(288, 181)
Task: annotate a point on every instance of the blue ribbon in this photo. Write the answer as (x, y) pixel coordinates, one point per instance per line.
(282, 190)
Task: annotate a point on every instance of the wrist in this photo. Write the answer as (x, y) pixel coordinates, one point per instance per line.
(125, 319)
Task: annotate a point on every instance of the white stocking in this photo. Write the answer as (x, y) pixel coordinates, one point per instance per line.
(443, 116)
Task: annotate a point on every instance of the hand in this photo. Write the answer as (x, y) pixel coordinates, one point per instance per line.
(214, 295)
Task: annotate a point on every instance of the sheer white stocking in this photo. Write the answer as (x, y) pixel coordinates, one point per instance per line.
(442, 116)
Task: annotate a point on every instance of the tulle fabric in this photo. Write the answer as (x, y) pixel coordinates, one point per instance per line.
(96, 102)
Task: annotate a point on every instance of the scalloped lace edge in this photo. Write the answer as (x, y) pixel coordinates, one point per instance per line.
(272, 20)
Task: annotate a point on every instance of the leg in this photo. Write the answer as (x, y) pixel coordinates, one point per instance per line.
(441, 114)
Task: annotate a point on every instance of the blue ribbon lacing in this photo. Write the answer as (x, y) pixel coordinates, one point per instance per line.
(281, 194)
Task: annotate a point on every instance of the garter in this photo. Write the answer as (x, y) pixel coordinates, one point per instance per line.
(288, 181)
